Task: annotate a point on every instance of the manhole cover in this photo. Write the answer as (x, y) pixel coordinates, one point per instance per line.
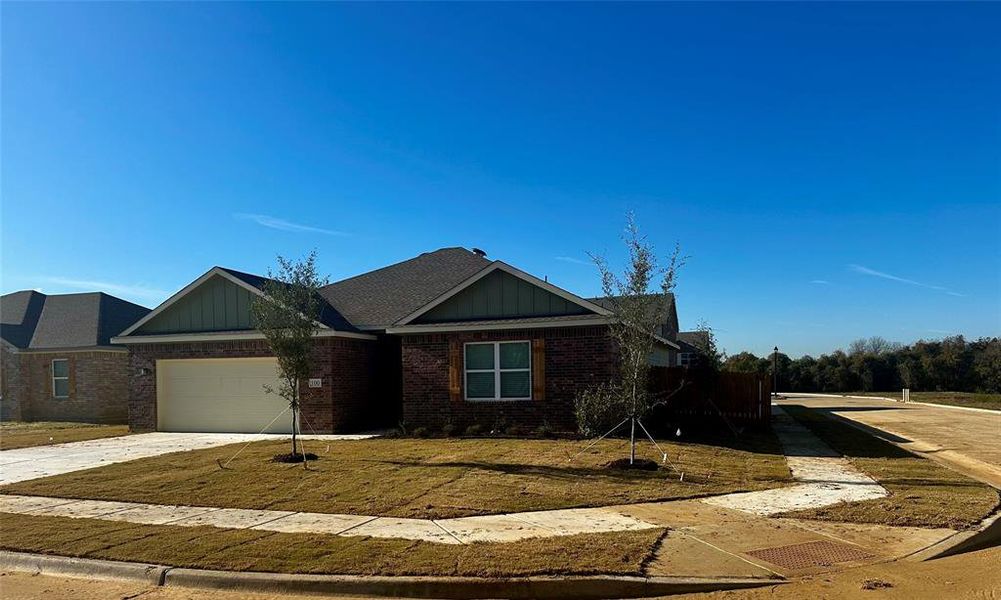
(811, 554)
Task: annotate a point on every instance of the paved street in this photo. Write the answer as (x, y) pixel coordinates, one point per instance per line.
(966, 440)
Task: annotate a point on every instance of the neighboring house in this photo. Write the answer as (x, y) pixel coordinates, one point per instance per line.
(693, 345)
(58, 361)
(447, 336)
(664, 355)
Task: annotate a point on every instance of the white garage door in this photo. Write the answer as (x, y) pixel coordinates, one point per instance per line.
(223, 395)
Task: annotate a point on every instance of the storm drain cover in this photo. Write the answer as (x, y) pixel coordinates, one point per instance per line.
(811, 554)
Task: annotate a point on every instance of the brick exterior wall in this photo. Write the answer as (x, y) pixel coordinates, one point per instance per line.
(344, 403)
(11, 384)
(575, 357)
(98, 387)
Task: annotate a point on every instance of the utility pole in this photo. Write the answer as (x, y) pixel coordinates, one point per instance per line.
(775, 371)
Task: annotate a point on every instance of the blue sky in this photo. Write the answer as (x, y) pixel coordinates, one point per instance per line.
(833, 170)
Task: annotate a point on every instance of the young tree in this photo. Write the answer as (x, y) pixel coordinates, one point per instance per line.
(637, 314)
(288, 314)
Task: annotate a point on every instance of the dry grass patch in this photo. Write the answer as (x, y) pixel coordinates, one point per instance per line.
(622, 553)
(423, 478)
(922, 492)
(18, 434)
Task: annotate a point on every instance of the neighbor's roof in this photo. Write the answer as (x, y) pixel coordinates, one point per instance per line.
(693, 341)
(379, 298)
(33, 320)
(606, 302)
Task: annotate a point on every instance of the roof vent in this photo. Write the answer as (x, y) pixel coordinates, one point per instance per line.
(479, 252)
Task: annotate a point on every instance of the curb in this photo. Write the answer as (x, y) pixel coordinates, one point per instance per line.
(987, 535)
(448, 588)
(85, 567)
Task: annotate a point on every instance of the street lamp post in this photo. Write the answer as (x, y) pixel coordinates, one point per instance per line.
(775, 371)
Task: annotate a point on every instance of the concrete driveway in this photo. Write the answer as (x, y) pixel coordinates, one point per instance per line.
(42, 461)
(968, 441)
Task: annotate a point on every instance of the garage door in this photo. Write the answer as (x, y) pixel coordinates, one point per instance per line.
(219, 395)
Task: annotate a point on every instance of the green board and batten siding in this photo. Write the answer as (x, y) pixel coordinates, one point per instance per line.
(216, 305)
(501, 295)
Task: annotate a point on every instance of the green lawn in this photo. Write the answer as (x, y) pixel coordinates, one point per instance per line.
(624, 553)
(432, 478)
(19, 434)
(968, 399)
(922, 492)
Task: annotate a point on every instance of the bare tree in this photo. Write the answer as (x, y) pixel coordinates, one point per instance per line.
(638, 300)
(288, 314)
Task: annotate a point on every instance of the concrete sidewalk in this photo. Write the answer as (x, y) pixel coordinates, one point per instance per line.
(828, 477)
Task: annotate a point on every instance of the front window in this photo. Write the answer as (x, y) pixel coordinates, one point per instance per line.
(499, 371)
(60, 378)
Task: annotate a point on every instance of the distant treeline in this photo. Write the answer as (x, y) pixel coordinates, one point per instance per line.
(874, 364)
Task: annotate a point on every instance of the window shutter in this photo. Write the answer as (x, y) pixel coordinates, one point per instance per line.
(539, 369)
(455, 371)
(71, 366)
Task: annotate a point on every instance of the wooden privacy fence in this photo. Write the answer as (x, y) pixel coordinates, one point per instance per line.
(743, 398)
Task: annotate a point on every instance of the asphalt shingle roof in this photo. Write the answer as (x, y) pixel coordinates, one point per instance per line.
(379, 298)
(32, 320)
(606, 302)
(695, 341)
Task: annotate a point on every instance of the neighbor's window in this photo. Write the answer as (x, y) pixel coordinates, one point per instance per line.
(61, 378)
(499, 371)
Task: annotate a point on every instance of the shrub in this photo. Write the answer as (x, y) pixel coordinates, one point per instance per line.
(599, 408)
(450, 429)
(500, 426)
(475, 430)
(422, 432)
(545, 430)
(517, 431)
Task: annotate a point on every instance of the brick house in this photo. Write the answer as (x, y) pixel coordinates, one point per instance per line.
(447, 336)
(58, 363)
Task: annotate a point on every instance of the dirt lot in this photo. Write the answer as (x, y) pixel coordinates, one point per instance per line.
(973, 576)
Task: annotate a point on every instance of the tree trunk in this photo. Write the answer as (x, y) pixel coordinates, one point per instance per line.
(295, 416)
(632, 441)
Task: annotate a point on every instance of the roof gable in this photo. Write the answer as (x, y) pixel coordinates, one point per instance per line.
(501, 295)
(516, 273)
(215, 304)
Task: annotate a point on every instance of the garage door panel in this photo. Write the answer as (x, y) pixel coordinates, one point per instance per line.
(219, 395)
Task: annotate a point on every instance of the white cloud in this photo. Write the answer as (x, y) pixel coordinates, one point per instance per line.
(821, 282)
(575, 261)
(283, 225)
(138, 292)
(875, 273)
